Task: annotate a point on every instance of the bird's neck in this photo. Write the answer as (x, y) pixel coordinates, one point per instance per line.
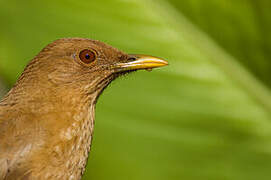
(73, 131)
(64, 125)
(76, 138)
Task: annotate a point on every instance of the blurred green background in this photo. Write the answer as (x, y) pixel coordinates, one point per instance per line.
(206, 116)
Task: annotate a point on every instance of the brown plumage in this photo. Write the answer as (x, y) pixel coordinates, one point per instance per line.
(47, 118)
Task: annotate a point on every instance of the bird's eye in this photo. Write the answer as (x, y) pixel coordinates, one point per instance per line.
(87, 56)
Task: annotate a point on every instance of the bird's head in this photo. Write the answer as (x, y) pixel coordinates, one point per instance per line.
(83, 65)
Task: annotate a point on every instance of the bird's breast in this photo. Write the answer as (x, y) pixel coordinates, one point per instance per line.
(67, 151)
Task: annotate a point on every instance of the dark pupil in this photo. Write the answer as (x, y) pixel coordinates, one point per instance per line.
(87, 56)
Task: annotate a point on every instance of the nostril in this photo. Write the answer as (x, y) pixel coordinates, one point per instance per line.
(131, 58)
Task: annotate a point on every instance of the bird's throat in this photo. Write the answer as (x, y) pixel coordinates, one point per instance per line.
(63, 121)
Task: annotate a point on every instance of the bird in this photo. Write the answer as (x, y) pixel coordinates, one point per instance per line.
(47, 117)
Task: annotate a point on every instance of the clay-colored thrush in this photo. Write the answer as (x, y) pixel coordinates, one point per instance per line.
(47, 118)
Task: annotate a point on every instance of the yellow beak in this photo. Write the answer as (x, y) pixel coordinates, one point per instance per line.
(140, 62)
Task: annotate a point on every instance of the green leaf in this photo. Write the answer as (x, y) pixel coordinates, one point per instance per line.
(205, 116)
(240, 27)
